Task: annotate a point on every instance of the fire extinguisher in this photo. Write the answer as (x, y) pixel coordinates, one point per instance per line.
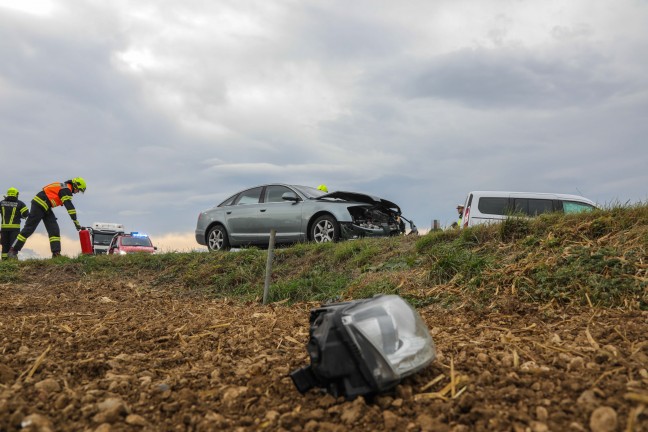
(86, 242)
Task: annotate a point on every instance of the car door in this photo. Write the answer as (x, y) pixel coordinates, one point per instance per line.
(281, 215)
(244, 218)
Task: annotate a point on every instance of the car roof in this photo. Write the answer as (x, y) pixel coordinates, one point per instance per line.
(547, 195)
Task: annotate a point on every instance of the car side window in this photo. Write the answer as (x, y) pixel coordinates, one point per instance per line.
(532, 206)
(576, 207)
(274, 193)
(250, 196)
(493, 205)
(228, 202)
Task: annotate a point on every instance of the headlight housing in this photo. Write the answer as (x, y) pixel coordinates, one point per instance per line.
(364, 347)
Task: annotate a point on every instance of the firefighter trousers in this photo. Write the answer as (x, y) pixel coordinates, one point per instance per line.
(36, 215)
(8, 236)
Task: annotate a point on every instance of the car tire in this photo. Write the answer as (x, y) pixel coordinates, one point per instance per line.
(325, 229)
(217, 238)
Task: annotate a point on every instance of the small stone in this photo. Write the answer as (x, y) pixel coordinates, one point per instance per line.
(603, 419)
(577, 363)
(7, 374)
(272, 415)
(542, 414)
(405, 392)
(47, 386)
(587, 398)
(135, 420)
(111, 404)
(110, 411)
(351, 412)
(36, 423)
(391, 420)
(482, 358)
(104, 427)
(537, 426)
(231, 394)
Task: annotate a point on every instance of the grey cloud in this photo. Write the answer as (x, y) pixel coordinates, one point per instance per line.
(515, 78)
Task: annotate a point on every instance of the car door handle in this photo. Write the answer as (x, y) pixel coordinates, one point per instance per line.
(229, 212)
(262, 210)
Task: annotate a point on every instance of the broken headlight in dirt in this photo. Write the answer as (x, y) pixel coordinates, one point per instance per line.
(364, 347)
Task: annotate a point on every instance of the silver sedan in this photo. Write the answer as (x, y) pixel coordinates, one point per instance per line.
(298, 214)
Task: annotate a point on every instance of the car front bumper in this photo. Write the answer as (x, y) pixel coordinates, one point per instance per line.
(349, 230)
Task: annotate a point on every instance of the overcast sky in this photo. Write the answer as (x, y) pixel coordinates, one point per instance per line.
(168, 107)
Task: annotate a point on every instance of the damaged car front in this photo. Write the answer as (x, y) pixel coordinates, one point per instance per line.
(370, 216)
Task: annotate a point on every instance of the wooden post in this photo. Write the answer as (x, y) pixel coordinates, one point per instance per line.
(436, 225)
(266, 287)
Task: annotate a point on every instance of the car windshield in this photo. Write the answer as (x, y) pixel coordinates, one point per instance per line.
(136, 241)
(309, 192)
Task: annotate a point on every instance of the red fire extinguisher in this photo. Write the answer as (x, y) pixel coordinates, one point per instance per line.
(86, 243)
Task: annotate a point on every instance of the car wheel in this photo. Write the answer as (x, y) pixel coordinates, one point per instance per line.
(217, 238)
(325, 229)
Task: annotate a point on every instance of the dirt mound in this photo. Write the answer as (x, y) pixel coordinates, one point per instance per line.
(114, 355)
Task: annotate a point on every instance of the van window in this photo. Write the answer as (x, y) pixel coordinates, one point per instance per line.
(576, 207)
(532, 207)
(493, 205)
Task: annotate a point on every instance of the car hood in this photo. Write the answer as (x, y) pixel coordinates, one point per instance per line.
(361, 198)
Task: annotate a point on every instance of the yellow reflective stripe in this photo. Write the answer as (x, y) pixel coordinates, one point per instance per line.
(10, 225)
(23, 210)
(66, 198)
(41, 202)
(71, 212)
(21, 238)
(54, 239)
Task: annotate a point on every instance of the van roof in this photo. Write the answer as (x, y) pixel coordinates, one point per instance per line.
(546, 195)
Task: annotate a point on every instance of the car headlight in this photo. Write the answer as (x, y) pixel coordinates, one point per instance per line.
(364, 347)
(121, 252)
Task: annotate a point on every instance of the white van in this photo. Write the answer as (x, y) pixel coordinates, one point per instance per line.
(102, 234)
(495, 206)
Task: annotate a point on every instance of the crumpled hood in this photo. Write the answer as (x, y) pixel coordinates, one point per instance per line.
(361, 198)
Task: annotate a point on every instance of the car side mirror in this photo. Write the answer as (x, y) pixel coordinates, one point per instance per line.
(289, 196)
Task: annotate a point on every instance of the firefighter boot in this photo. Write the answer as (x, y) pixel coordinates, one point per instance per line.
(12, 254)
(56, 254)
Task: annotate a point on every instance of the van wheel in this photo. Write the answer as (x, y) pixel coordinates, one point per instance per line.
(217, 238)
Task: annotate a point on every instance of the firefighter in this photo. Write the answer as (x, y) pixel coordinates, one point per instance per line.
(323, 188)
(52, 195)
(11, 211)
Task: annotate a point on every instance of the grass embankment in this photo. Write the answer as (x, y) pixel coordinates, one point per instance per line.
(596, 259)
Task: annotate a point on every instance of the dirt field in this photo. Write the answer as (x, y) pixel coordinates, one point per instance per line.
(79, 354)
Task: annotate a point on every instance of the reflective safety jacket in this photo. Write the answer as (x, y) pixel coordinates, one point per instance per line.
(11, 210)
(54, 195)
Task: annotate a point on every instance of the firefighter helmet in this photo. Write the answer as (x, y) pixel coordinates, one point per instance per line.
(323, 188)
(79, 183)
(12, 192)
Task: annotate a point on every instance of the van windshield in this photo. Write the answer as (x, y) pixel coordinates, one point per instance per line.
(102, 239)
